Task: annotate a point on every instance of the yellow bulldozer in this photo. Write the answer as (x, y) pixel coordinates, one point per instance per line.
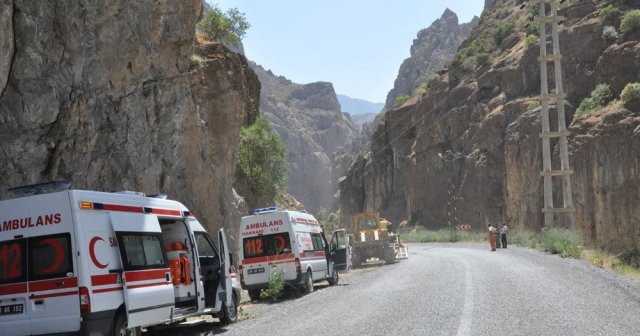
(373, 237)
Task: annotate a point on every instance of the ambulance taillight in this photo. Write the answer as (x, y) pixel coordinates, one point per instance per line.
(85, 301)
(298, 266)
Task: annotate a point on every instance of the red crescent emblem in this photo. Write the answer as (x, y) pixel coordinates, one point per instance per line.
(59, 253)
(92, 252)
(281, 244)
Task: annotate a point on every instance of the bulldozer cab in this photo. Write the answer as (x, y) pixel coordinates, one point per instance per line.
(368, 226)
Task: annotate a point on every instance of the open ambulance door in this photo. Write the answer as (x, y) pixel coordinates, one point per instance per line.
(147, 286)
(340, 250)
(225, 264)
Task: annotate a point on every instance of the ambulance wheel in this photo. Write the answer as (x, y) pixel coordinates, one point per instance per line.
(120, 327)
(333, 280)
(254, 294)
(230, 312)
(308, 283)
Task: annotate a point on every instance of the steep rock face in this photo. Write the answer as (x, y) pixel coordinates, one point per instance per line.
(309, 120)
(469, 150)
(106, 96)
(433, 47)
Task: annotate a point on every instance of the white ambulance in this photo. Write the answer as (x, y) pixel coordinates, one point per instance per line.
(289, 242)
(97, 263)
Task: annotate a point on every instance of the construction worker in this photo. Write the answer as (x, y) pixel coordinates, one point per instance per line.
(503, 234)
(498, 244)
(492, 237)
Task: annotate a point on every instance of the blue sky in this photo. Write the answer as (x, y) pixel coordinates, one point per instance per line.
(358, 45)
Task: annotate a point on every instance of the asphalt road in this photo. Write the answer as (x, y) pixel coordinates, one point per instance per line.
(455, 289)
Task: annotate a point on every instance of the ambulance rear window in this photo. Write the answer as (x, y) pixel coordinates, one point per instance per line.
(13, 261)
(50, 257)
(267, 245)
(141, 250)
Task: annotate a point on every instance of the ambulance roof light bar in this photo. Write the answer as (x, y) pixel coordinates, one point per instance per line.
(131, 193)
(265, 210)
(40, 188)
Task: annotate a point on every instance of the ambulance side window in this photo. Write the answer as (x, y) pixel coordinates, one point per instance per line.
(205, 248)
(13, 261)
(318, 242)
(141, 250)
(50, 257)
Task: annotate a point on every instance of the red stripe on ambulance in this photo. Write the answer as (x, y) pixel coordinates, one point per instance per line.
(11, 289)
(280, 257)
(45, 285)
(105, 279)
(52, 295)
(146, 275)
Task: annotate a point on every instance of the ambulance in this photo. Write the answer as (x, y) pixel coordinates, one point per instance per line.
(292, 244)
(98, 263)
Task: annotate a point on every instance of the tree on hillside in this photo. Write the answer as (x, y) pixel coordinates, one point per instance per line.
(228, 28)
(262, 159)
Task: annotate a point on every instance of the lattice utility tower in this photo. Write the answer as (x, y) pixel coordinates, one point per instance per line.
(549, 15)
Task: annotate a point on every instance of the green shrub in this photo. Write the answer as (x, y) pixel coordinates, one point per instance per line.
(533, 105)
(502, 13)
(482, 59)
(563, 242)
(531, 28)
(262, 159)
(529, 40)
(630, 96)
(609, 33)
(602, 95)
(609, 12)
(443, 236)
(227, 28)
(482, 44)
(586, 106)
(630, 22)
(469, 64)
(400, 100)
(524, 238)
(503, 30)
(276, 285)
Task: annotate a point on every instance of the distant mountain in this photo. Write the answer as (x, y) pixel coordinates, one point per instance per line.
(355, 106)
(361, 119)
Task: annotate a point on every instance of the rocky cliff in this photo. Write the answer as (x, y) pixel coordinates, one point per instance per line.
(432, 48)
(115, 96)
(309, 120)
(469, 150)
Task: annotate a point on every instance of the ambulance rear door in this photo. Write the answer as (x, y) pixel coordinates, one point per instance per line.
(225, 265)
(52, 268)
(148, 290)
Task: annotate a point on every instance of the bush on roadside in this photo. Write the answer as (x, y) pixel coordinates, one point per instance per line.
(533, 105)
(630, 22)
(630, 96)
(276, 285)
(566, 243)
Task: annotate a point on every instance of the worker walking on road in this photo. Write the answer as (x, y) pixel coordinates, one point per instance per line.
(503, 234)
(492, 237)
(497, 233)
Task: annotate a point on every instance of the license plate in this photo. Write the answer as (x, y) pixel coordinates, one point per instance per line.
(256, 270)
(12, 309)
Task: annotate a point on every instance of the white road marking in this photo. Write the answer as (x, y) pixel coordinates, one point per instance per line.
(464, 329)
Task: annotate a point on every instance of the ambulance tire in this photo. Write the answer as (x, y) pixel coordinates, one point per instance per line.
(254, 294)
(229, 313)
(308, 283)
(333, 280)
(120, 326)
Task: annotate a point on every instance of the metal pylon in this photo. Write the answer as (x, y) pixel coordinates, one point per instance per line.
(558, 97)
